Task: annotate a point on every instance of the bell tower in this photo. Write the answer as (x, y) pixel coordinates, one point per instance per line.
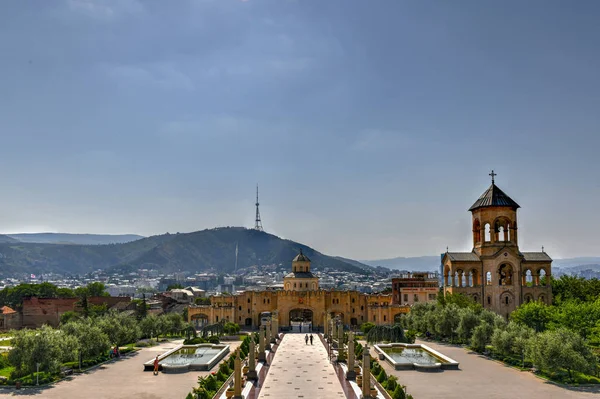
(494, 221)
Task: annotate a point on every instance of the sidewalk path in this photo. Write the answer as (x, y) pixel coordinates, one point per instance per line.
(301, 371)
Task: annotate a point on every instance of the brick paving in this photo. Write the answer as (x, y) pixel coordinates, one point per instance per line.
(122, 379)
(480, 377)
(301, 371)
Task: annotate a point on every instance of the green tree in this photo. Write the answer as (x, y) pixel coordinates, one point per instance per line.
(481, 336)
(68, 316)
(366, 327)
(448, 320)
(513, 340)
(468, 321)
(398, 393)
(174, 286)
(535, 315)
(45, 346)
(581, 317)
(96, 289)
(458, 299)
(90, 340)
(120, 328)
(561, 349)
(149, 326)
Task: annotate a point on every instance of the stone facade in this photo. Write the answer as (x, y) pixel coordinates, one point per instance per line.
(299, 302)
(39, 311)
(496, 273)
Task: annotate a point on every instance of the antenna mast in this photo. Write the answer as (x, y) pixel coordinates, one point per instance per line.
(257, 222)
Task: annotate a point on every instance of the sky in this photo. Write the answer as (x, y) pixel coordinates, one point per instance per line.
(371, 127)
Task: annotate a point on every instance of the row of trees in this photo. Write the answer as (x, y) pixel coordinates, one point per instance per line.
(537, 334)
(13, 296)
(85, 340)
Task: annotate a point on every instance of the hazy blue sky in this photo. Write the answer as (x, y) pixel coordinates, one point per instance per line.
(371, 126)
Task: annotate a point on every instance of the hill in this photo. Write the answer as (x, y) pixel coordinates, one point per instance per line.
(204, 250)
(5, 239)
(79, 239)
(420, 263)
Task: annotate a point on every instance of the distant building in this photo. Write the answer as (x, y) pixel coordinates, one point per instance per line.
(9, 319)
(300, 301)
(414, 288)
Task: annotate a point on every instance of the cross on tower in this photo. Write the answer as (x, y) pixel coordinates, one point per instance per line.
(493, 175)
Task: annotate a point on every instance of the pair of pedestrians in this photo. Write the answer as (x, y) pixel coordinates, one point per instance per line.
(306, 338)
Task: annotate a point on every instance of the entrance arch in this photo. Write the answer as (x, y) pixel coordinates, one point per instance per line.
(301, 320)
(199, 320)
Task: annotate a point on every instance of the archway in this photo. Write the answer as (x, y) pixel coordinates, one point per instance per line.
(505, 274)
(248, 321)
(301, 320)
(199, 320)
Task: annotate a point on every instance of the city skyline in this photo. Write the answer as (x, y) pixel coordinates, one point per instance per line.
(370, 130)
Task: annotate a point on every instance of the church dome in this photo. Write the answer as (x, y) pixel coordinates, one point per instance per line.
(301, 257)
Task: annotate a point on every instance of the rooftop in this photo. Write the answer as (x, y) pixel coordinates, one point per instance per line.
(493, 196)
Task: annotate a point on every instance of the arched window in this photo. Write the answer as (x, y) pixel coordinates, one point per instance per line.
(476, 231)
(314, 286)
(528, 278)
(470, 279)
(501, 233)
(248, 300)
(456, 281)
(362, 307)
(465, 280)
(489, 300)
(542, 298)
(543, 279)
(507, 231)
(488, 279)
(488, 234)
(384, 317)
(240, 308)
(506, 299)
(294, 285)
(505, 275)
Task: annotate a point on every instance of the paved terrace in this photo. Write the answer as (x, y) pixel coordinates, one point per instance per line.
(480, 377)
(122, 379)
(301, 371)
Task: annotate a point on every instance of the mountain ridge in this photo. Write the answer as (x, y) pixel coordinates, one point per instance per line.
(74, 239)
(210, 249)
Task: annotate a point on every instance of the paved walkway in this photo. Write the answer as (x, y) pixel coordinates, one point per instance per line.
(122, 379)
(480, 377)
(301, 371)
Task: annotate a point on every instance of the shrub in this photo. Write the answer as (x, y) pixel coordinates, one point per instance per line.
(391, 383)
(398, 393)
(382, 376)
(213, 339)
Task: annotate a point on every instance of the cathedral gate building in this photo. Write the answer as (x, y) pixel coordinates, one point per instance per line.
(301, 300)
(496, 273)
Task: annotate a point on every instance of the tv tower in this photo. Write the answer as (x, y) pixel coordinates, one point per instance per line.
(257, 222)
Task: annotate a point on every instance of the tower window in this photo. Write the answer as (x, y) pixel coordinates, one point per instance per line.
(506, 299)
(489, 300)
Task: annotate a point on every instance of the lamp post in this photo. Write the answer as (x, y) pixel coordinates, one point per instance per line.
(37, 374)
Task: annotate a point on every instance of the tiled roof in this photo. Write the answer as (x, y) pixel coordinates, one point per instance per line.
(6, 310)
(493, 196)
(463, 256)
(536, 257)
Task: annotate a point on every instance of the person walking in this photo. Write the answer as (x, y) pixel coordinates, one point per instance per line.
(311, 339)
(156, 365)
(306, 339)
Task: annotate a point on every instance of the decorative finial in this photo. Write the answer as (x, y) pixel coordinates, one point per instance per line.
(493, 175)
(542, 248)
(300, 251)
(446, 249)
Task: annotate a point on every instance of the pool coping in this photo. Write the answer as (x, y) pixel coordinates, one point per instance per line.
(449, 363)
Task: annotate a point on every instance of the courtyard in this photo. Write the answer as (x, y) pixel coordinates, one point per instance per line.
(479, 377)
(122, 379)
